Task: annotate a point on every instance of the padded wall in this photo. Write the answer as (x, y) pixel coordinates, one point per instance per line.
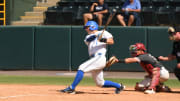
(63, 47)
(16, 47)
(52, 47)
(79, 50)
(159, 44)
(124, 37)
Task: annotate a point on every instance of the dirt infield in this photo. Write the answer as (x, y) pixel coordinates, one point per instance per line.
(137, 75)
(84, 93)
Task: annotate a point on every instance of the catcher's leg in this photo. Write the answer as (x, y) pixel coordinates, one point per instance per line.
(155, 78)
(164, 75)
(144, 84)
(155, 81)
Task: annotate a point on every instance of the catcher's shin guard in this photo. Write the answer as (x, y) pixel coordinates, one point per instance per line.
(155, 78)
(139, 87)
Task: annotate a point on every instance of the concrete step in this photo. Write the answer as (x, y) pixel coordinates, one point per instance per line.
(32, 18)
(51, 1)
(25, 23)
(46, 4)
(39, 9)
(34, 13)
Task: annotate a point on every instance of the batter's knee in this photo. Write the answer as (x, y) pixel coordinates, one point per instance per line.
(82, 68)
(139, 87)
(99, 83)
(177, 73)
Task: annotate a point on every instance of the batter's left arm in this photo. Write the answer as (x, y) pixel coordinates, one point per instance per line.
(108, 41)
(107, 38)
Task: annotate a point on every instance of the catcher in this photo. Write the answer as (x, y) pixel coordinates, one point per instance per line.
(157, 74)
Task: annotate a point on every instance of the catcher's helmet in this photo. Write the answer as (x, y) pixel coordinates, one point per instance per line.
(92, 25)
(137, 46)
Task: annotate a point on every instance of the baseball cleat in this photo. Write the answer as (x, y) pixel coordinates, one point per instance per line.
(149, 91)
(118, 90)
(68, 90)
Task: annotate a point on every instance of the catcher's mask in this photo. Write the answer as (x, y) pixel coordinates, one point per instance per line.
(135, 48)
(172, 32)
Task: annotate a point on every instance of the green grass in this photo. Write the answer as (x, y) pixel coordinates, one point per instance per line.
(87, 81)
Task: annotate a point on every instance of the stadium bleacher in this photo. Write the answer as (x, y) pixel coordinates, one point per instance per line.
(164, 15)
(154, 12)
(177, 15)
(148, 15)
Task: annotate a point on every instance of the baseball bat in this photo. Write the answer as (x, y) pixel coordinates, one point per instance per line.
(107, 23)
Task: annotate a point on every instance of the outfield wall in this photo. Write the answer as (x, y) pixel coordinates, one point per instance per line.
(63, 48)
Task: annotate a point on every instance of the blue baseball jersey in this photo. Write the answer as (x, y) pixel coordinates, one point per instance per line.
(135, 5)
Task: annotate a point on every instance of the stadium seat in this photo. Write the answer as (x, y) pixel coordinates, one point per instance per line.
(177, 15)
(51, 17)
(69, 13)
(66, 16)
(56, 8)
(148, 15)
(174, 3)
(82, 2)
(66, 0)
(66, 3)
(92, 1)
(69, 9)
(79, 17)
(146, 3)
(160, 3)
(113, 2)
(165, 15)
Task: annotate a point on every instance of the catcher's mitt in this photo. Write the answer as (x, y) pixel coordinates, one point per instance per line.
(111, 61)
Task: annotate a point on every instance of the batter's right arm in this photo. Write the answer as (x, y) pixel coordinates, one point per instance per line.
(110, 41)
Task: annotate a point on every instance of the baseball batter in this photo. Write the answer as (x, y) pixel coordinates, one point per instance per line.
(157, 74)
(96, 63)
